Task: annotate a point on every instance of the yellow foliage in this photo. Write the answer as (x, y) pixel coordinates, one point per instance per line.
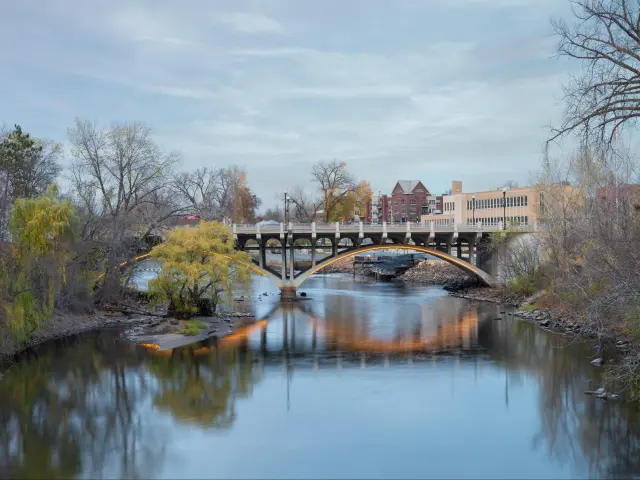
(198, 264)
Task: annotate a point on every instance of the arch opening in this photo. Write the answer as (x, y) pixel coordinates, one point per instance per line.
(471, 270)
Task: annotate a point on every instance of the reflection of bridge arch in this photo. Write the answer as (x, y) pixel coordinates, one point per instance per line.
(461, 333)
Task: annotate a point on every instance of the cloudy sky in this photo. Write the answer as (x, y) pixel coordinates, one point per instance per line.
(405, 89)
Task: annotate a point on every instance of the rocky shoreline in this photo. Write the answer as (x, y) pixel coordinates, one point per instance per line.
(547, 319)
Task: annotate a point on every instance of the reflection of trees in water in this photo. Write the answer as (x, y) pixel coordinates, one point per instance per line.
(203, 389)
(75, 412)
(82, 410)
(601, 437)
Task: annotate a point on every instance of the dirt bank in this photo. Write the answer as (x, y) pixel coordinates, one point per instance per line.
(64, 324)
(140, 328)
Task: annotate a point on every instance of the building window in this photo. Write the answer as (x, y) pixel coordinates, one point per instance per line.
(412, 201)
(404, 202)
(419, 190)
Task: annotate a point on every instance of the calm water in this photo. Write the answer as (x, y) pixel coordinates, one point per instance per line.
(364, 380)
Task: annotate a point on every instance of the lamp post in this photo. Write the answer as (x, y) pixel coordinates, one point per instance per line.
(504, 208)
(286, 208)
(473, 206)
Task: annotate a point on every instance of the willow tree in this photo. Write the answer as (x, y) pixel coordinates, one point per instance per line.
(199, 267)
(33, 272)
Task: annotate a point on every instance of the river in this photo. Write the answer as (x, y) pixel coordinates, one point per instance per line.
(363, 380)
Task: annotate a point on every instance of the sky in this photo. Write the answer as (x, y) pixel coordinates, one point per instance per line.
(436, 90)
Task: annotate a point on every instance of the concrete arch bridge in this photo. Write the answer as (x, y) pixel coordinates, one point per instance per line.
(342, 241)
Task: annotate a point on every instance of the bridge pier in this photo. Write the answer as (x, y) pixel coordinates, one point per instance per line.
(288, 292)
(292, 257)
(472, 253)
(262, 254)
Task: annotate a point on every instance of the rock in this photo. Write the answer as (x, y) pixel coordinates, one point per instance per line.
(303, 294)
(600, 391)
(174, 321)
(545, 323)
(598, 362)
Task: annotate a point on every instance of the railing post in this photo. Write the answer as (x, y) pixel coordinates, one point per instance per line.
(281, 232)
(337, 230)
(234, 230)
(407, 236)
(384, 232)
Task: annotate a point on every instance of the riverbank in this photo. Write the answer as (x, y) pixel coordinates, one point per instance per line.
(566, 323)
(167, 332)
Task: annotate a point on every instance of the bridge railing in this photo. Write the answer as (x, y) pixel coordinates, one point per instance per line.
(378, 227)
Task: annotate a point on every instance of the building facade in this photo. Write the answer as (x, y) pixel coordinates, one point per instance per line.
(520, 206)
(408, 200)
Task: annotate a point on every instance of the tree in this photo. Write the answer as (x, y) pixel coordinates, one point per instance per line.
(27, 167)
(42, 231)
(217, 194)
(353, 203)
(606, 39)
(118, 176)
(334, 182)
(303, 206)
(274, 214)
(198, 265)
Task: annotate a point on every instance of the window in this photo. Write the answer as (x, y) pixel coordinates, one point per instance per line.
(424, 202)
(412, 201)
(419, 190)
(525, 200)
(404, 202)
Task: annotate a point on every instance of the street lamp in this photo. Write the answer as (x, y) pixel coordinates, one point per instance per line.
(286, 207)
(504, 208)
(473, 203)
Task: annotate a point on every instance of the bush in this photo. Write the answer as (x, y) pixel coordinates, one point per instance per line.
(524, 285)
(194, 327)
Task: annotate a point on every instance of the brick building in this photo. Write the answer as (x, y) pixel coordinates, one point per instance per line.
(407, 201)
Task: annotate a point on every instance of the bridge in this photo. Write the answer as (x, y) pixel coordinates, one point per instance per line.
(347, 240)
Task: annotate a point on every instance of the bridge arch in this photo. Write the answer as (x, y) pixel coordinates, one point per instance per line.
(482, 276)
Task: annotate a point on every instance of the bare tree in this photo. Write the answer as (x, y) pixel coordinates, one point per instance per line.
(606, 39)
(117, 176)
(334, 181)
(216, 194)
(304, 206)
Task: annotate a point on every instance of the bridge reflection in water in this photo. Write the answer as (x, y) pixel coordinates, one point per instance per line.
(292, 334)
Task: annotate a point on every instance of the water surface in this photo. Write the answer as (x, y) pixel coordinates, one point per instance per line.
(364, 380)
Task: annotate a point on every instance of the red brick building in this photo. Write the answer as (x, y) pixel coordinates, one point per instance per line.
(408, 198)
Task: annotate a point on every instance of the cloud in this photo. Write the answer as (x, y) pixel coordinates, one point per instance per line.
(420, 90)
(250, 23)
